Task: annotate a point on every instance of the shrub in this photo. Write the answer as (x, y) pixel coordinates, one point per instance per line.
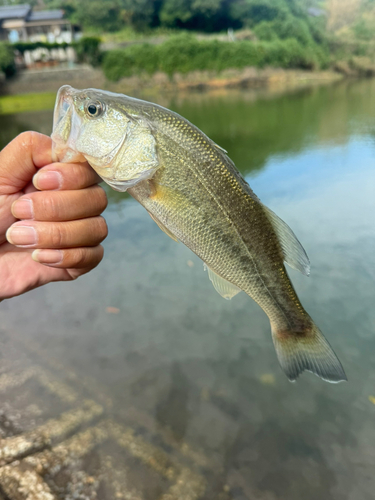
(88, 50)
(120, 63)
(7, 65)
(265, 31)
(184, 53)
(23, 46)
(145, 57)
(180, 54)
(289, 54)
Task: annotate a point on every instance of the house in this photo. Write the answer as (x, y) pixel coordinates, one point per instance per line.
(22, 23)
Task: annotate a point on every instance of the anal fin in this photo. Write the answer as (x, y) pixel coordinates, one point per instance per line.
(163, 228)
(222, 286)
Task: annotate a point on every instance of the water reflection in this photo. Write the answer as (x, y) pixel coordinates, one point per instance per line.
(12, 125)
(197, 376)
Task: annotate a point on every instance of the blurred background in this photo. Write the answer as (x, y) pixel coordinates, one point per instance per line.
(139, 381)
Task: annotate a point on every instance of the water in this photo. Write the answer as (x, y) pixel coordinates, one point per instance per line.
(195, 375)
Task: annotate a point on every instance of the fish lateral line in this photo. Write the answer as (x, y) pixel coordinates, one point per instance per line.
(139, 146)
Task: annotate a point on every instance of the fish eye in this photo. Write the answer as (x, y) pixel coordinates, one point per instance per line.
(94, 109)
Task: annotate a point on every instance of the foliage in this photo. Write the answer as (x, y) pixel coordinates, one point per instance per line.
(88, 50)
(7, 65)
(185, 53)
(102, 14)
(142, 14)
(132, 60)
(364, 30)
(288, 27)
(290, 54)
(202, 15)
(252, 12)
(343, 28)
(23, 46)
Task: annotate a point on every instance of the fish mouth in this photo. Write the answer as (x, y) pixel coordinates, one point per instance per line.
(66, 127)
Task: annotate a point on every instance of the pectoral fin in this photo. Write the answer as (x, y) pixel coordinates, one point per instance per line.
(163, 228)
(226, 289)
(294, 253)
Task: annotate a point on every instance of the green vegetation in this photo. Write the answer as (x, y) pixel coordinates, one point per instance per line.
(197, 15)
(26, 102)
(351, 28)
(308, 34)
(88, 51)
(23, 46)
(184, 53)
(7, 65)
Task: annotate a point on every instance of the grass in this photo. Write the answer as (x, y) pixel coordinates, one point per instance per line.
(26, 102)
(128, 34)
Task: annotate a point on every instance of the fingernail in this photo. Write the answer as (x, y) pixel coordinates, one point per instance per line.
(22, 236)
(23, 209)
(47, 256)
(47, 180)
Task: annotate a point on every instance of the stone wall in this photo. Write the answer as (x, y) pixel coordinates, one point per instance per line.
(51, 79)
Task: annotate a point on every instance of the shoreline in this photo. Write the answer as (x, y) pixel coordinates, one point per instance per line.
(38, 81)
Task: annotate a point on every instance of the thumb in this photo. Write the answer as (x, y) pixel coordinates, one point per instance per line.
(21, 158)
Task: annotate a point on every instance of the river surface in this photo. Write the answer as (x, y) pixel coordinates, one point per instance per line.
(181, 365)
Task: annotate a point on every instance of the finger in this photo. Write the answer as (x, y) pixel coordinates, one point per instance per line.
(72, 258)
(29, 188)
(21, 158)
(61, 205)
(76, 273)
(78, 233)
(65, 176)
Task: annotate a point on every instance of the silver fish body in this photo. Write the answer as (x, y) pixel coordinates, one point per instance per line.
(193, 191)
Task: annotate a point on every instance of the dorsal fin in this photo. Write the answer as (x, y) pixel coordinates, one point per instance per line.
(222, 286)
(220, 148)
(163, 228)
(294, 253)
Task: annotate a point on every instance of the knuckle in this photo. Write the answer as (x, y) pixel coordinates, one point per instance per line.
(80, 257)
(49, 207)
(82, 175)
(75, 172)
(26, 139)
(97, 255)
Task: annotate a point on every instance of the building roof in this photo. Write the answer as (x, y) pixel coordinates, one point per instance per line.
(14, 11)
(46, 15)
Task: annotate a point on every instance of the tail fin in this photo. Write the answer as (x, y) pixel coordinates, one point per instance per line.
(309, 351)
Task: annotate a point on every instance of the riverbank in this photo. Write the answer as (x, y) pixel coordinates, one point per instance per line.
(49, 80)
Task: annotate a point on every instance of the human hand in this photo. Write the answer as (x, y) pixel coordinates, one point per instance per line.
(59, 232)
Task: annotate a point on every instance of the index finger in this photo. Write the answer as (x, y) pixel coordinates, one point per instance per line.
(21, 158)
(67, 176)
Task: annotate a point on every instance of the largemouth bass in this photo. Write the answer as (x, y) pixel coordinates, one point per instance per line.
(192, 190)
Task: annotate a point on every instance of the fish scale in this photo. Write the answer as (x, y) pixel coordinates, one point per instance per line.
(194, 192)
(232, 259)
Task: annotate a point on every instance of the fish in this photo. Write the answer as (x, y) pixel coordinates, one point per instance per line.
(194, 193)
